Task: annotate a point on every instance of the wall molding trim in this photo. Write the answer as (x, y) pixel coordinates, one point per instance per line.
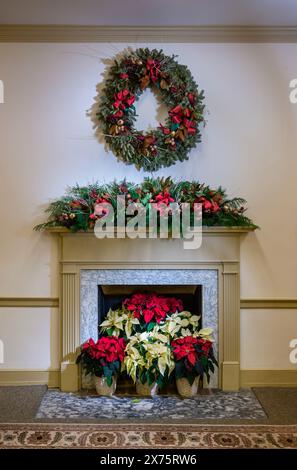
(268, 303)
(51, 302)
(268, 378)
(158, 34)
(11, 377)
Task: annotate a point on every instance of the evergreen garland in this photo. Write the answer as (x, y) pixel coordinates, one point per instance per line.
(77, 209)
(168, 143)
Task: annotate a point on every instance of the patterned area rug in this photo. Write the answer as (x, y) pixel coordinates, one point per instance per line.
(153, 436)
(217, 405)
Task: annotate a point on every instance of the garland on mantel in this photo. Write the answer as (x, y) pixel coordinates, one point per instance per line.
(127, 78)
(77, 209)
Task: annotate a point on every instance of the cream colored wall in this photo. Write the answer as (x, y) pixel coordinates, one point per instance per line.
(30, 337)
(265, 338)
(249, 146)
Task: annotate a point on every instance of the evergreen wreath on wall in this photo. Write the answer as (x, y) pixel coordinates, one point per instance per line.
(127, 79)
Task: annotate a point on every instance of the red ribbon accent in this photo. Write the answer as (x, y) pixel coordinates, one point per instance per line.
(123, 99)
(180, 116)
(152, 68)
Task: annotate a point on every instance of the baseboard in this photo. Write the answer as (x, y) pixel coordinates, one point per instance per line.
(248, 377)
(51, 377)
(268, 378)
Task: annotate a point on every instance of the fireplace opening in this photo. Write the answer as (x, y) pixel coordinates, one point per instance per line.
(112, 296)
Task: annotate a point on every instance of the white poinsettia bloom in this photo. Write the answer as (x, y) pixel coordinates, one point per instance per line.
(114, 321)
(183, 323)
(186, 314)
(130, 321)
(148, 351)
(194, 319)
(119, 320)
(185, 332)
(206, 333)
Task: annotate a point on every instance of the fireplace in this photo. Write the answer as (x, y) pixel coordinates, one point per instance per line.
(210, 272)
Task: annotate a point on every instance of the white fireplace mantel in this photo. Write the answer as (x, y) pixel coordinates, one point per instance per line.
(220, 251)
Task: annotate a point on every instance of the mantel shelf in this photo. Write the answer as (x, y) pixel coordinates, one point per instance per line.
(215, 230)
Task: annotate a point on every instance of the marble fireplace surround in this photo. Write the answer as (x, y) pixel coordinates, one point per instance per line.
(86, 262)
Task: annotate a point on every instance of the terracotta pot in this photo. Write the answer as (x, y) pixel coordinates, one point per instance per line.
(102, 388)
(146, 390)
(185, 389)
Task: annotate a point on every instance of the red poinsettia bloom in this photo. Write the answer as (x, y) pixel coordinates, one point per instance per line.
(88, 344)
(152, 307)
(185, 348)
(205, 345)
(108, 349)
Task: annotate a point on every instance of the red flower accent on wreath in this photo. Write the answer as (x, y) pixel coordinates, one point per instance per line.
(176, 114)
(152, 307)
(118, 114)
(123, 76)
(191, 98)
(207, 205)
(165, 130)
(123, 99)
(181, 116)
(164, 198)
(100, 211)
(93, 194)
(77, 203)
(152, 66)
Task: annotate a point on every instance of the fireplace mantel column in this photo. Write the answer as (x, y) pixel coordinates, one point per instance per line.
(231, 327)
(70, 329)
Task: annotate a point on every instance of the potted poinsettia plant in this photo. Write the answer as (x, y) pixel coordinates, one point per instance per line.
(148, 361)
(194, 358)
(103, 359)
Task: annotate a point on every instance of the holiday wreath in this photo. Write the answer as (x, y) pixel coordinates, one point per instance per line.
(168, 143)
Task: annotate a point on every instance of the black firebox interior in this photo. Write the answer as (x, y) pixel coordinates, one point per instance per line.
(112, 296)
